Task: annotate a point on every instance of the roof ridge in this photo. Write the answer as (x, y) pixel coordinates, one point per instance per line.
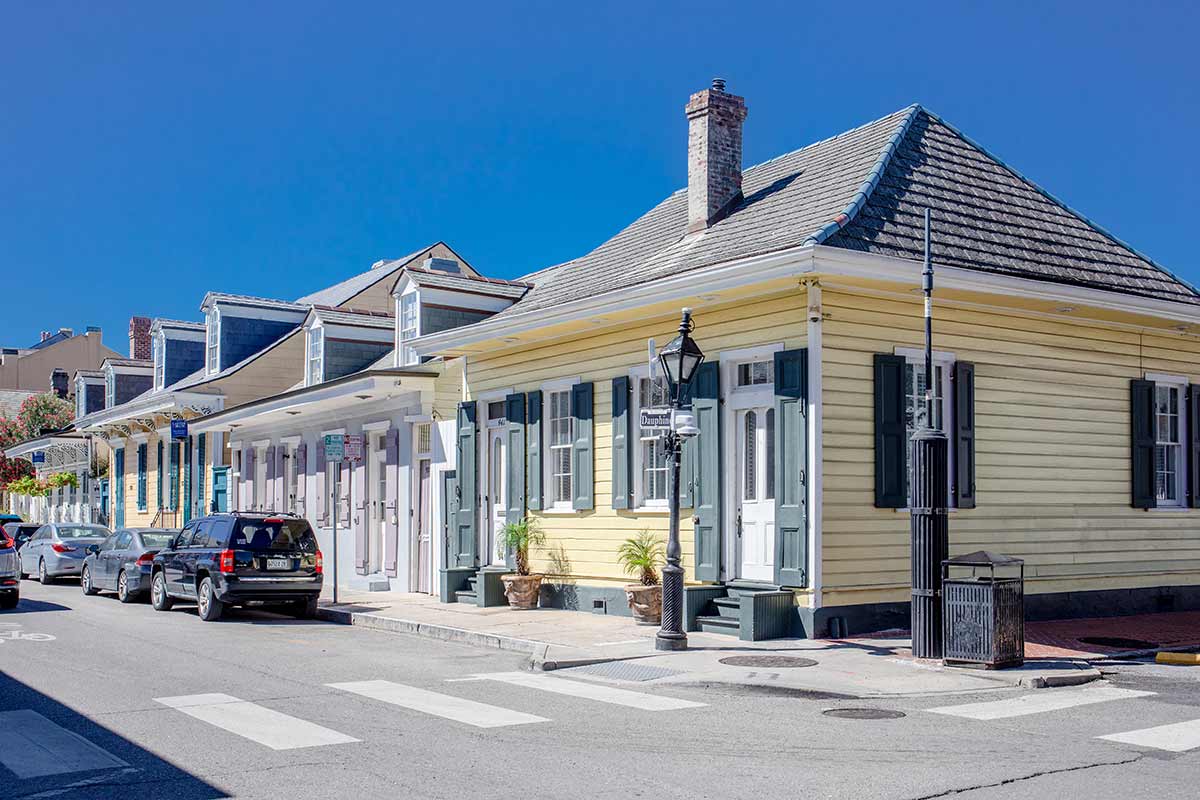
(1044, 193)
(871, 181)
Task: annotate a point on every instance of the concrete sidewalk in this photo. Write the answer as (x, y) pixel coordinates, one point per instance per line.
(556, 639)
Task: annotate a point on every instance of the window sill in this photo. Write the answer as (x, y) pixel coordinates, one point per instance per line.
(1171, 509)
(663, 510)
(559, 511)
(950, 509)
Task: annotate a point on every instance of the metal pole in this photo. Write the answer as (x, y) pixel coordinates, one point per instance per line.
(337, 475)
(670, 634)
(927, 499)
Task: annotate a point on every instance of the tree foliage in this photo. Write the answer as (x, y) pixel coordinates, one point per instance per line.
(43, 412)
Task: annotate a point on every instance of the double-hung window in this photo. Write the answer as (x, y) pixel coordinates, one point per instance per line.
(316, 349)
(160, 346)
(650, 455)
(561, 428)
(110, 388)
(80, 399)
(142, 466)
(409, 327)
(1170, 461)
(915, 408)
(213, 341)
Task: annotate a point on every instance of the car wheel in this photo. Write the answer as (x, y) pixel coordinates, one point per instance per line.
(206, 601)
(85, 581)
(158, 593)
(43, 578)
(9, 601)
(123, 593)
(305, 609)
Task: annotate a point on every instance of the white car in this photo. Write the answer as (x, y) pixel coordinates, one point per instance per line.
(10, 572)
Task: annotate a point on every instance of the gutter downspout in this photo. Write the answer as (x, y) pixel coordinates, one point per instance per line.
(815, 429)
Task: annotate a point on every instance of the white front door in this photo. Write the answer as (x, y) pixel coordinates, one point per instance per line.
(424, 527)
(755, 507)
(496, 495)
(376, 511)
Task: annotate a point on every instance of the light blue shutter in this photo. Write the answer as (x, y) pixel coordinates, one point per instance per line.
(533, 450)
(622, 449)
(465, 538)
(791, 459)
(582, 467)
(706, 406)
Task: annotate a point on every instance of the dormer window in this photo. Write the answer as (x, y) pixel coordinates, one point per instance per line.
(316, 354)
(410, 328)
(159, 343)
(214, 340)
(110, 388)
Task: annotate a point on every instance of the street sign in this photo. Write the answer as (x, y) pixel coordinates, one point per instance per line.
(335, 447)
(179, 429)
(354, 448)
(38, 457)
(656, 418)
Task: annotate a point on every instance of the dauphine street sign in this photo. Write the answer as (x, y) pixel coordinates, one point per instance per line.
(655, 418)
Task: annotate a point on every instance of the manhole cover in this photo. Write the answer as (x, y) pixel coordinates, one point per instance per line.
(624, 671)
(768, 662)
(1118, 642)
(863, 713)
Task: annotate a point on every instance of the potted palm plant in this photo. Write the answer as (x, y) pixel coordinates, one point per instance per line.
(642, 555)
(521, 588)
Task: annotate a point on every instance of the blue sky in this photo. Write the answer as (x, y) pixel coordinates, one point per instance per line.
(150, 152)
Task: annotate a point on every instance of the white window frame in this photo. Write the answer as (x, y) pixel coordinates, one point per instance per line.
(406, 355)
(159, 343)
(551, 505)
(640, 501)
(80, 397)
(915, 357)
(1180, 384)
(212, 341)
(110, 387)
(316, 336)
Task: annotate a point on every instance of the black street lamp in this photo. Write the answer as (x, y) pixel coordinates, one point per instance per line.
(680, 359)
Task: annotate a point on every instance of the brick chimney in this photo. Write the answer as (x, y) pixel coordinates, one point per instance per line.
(714, 154)
(139, 338)
(58, 383)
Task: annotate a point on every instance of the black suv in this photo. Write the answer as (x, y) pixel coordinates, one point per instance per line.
(240, 559)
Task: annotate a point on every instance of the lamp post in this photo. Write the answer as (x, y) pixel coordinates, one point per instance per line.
(680, 359)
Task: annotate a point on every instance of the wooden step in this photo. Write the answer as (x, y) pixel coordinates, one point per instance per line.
(723, 625)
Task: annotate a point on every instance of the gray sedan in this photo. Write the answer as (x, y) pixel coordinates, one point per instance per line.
(58, 549)
(122, 562)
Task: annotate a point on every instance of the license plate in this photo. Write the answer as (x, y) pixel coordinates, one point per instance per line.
(279, 563)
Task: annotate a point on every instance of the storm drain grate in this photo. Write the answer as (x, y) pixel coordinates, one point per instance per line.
(1118, 642)
(863, 713)
(768, 662)
(624, 671)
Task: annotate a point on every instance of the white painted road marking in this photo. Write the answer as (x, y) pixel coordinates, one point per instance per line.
(1177, 738)
(1040, 701)
(257, 723)
(34, 747)
(592, 691)
(481, 715)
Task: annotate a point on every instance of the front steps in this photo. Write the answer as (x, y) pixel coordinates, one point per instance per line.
(479, 587)
(751, 612)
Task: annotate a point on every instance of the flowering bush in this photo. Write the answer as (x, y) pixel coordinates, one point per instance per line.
(41, 412)
(11, 468)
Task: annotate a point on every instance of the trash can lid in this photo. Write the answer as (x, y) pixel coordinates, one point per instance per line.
(983, 558)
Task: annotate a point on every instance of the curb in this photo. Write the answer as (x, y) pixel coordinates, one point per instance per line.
(1077, 678)
(1178, 659)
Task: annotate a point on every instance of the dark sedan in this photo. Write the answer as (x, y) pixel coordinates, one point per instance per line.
(20, 532)
(122, 562)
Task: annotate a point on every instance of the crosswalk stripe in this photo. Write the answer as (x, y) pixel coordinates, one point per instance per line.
(257, 723)
(1176, 738)
(481, 715)
(592, 691)
(35, 747)
(1040, 701)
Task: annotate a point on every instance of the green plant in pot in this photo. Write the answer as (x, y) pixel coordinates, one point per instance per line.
(522, 588)
(642, 556)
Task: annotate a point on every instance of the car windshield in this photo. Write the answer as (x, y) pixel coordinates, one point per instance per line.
(81, 532)
(157, 541)
(286, 535)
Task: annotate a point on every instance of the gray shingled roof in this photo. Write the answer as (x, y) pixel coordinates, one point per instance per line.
(986, 217)
(443, 280)
(361, 319)
(342, 292)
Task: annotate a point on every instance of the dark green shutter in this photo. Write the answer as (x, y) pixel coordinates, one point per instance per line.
(514, 501)
(465, 536)
(160, 474)
(142, 456)
(1193, 432)
(706, 405)
(791, 464)
(174, 475)
(187, 480)
(201, 471)
(622, 451)
(118, 487)
(964, 435)
(1141, 403)
(582, 466)
(533, 449)
(891, 435)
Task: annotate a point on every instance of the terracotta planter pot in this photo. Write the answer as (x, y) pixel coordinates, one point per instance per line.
(645, 602)
(522, 590)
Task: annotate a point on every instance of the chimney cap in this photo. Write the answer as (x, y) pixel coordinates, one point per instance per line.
(718, 84)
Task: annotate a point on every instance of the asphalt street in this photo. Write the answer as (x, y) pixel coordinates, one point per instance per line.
(104, 700)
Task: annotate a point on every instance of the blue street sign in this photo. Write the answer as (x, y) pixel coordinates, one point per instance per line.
(179, 429)
(38, 457)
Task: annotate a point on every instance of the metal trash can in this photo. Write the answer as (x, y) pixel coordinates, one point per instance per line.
(983, 621)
